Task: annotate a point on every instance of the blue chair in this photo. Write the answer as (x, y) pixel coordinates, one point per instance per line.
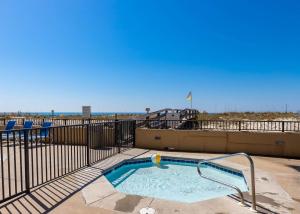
(43, 133)
(9, 126)
(27, 124)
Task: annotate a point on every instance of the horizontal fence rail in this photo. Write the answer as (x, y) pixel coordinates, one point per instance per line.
(55, 122)
(31, 157)
(157, 115)
(224, 125)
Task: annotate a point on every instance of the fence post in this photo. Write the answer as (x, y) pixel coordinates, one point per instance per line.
(134, 127)
(88, 145)
(282, 126)
(117, 135)
(26, 157)
(201, 125)
(240, 125)
(147, 122)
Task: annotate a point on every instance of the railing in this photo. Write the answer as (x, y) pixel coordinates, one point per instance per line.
(31, 157)
(163, 113)
(253, 194)
(219, 125)
(183, 114)
(188, 114)
(55, 122)
(222, 183)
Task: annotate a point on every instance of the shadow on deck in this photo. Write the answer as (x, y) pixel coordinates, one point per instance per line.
(47, 197)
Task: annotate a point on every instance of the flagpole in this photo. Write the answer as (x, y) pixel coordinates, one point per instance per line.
(191, 100)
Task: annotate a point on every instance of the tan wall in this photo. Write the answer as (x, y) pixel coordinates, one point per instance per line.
(77, 135)
(259, 143)
(69, 135)
(103, 137)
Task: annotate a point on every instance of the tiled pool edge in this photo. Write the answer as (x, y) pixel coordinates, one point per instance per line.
(174, 159)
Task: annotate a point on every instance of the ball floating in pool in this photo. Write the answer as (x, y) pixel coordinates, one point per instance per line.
(156, 158)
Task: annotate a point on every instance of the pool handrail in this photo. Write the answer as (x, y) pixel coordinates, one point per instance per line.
(223, 183)
(253, 207)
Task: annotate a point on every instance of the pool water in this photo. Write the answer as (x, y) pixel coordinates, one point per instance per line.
(174, 180)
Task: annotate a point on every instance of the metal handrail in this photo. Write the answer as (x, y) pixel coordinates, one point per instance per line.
(229, 185)
(223, 183)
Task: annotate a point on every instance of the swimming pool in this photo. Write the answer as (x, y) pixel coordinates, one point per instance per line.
(174, 179)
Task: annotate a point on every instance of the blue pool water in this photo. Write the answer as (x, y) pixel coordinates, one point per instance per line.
(172, 180)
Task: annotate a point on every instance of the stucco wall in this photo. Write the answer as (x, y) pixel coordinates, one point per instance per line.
(259, 143)
(77, 135)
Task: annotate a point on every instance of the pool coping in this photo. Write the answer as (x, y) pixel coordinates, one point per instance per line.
(176, 159)
(266, 187)
(109, 189)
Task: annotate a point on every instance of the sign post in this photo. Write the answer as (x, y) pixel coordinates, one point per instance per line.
(86, 111)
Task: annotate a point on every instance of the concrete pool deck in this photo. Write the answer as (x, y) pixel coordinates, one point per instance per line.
(86, 191)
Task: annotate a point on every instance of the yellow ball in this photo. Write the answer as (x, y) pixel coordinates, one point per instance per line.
(156, 158)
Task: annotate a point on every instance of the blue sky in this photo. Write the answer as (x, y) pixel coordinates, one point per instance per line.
(126, 55)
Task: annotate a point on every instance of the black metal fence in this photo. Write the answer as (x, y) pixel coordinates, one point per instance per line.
(31, 157)
(157, 115)
(224, 125)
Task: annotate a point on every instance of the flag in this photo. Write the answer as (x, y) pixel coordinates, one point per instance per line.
(189, 96)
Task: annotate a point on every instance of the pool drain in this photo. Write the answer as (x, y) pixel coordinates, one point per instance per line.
(147, 210)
